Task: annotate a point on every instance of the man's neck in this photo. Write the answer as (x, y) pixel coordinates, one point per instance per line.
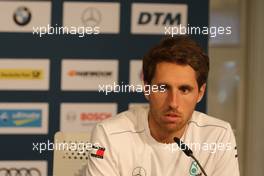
(161, 135)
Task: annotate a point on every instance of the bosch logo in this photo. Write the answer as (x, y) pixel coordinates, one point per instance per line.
(91, 17)
(97, 116)
(22, 16)
(19, 172)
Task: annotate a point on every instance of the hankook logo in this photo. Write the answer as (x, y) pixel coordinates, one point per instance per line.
(139, 171)
(91, 17)
(22, 16)
(19, 172)
(73, 73)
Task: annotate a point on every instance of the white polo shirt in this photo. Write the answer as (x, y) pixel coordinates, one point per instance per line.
(126, 148)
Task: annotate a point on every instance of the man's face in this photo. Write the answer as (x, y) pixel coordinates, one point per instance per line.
(171, 110)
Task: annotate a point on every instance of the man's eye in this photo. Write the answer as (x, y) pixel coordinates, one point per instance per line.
(185, 90)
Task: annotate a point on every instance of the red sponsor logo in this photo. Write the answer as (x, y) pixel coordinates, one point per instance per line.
(97, 152)
(95, 116)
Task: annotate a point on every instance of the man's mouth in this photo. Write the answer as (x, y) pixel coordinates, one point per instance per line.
(173, 114)
(172, 117)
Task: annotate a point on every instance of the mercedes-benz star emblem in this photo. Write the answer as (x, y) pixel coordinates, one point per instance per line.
(22, 16)
(91, 17)
(139, 171)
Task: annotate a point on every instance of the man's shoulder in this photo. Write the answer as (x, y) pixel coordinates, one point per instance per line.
(131, 120)
(203, 120)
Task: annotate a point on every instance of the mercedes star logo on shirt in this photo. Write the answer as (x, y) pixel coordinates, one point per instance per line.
(139, 171)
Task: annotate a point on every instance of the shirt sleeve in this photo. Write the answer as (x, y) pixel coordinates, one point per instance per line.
(101, 159)
(226, 159)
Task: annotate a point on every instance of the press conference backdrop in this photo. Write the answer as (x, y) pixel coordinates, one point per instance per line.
(50, 82)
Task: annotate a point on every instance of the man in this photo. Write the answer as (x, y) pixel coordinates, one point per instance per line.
(139, 142)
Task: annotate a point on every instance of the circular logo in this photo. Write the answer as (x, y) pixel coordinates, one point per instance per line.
(20, 172)
(71, 116)
(139, 171)
(91, 17)
(22, 16)
(4, 117)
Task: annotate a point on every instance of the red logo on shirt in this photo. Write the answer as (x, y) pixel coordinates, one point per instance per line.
(97, 152)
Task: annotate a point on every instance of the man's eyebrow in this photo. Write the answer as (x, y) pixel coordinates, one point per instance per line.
(186, 86)
(183, 86)
(163, 84)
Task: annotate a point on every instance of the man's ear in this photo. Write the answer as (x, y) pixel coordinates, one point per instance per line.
(201, 92)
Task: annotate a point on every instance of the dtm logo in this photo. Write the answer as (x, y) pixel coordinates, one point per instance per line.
(20, 117)
(151, 18)
(159, 18)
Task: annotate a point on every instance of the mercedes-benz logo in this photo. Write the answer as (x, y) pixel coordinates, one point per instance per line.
(91, 17)
(139, 171)
(22, 16)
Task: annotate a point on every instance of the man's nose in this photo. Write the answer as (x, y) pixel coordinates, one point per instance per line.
(174, 99)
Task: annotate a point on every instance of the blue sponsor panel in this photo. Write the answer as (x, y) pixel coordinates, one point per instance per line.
(20, 117)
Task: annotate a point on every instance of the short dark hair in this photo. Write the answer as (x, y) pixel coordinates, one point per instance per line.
(181, 50)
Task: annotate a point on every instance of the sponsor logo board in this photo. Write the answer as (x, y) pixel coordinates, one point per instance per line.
(22, 16)
(103, 15)
(88, 74)
(23, 118)
(152, 18)
(76, 117)
(23, 168)
(24, 74)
